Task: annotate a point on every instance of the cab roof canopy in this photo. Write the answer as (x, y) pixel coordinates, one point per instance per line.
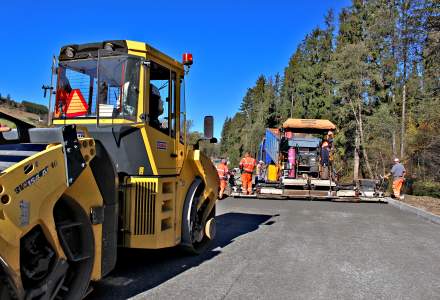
(308, 125)
(90, 50)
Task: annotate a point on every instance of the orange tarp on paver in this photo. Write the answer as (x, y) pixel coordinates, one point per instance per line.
(309, 124)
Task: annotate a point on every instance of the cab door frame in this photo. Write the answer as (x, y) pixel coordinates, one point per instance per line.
(163, 146)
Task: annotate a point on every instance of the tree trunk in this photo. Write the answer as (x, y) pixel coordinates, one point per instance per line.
(356, 156)
(402, 133)
(362, 141)
(393, 133)
(394, 146)
(382, 163)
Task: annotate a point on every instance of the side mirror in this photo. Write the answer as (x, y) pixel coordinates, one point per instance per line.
(208, 127)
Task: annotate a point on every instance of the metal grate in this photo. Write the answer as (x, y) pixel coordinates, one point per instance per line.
(144, 208)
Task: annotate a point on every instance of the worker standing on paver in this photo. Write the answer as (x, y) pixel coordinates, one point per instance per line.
(222, 171)
(325, 159)
(398, 171)
(331, 145)
(260, 172)
(247, 166)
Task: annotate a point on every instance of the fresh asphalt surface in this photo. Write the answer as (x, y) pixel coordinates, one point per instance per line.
(278, 249)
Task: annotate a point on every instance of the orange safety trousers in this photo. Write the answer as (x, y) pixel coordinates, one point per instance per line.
(397, 186)
(223, 185)
(246, 183)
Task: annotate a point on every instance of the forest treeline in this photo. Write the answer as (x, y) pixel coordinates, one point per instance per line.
(376, 76)
(27, 106)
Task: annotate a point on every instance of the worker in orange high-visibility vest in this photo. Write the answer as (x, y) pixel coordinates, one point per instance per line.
(222, 171)
(247, 166)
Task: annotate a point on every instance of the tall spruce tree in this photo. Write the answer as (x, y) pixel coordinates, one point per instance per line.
(377, 79)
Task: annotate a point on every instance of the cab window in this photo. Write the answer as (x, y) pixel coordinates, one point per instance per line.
(8, 131)
(162, 114)
(116, 89)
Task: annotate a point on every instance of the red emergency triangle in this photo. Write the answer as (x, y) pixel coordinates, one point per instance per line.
(76, 105)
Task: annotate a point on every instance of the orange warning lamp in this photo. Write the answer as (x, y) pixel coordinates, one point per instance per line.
(187, 59)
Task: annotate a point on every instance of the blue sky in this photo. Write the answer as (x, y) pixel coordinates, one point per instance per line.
(232, 41)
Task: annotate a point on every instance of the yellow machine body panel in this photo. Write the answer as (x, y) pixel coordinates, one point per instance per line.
(272, 173)
(153, 206)
(140, 184)
(86, 192)
(29, 191)
(150, 212)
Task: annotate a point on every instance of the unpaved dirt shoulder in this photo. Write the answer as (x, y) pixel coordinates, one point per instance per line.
(426, 203)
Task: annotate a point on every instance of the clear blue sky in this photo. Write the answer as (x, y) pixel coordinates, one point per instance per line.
(232, 41)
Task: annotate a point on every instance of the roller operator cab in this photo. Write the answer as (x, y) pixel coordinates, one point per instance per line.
(142, 185)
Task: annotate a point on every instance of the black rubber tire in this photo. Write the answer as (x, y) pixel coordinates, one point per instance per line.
(79, 273)
(7, 291)
(197, 248)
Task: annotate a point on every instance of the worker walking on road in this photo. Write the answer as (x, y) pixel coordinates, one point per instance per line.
(222, 171)
(398, 171)
(247, 166)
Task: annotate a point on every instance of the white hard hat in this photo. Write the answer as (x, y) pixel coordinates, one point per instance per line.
(396, 159)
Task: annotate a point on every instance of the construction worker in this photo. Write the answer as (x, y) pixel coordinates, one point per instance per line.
(325, 159)
(330, 138)
(398, 171)
(325, 153)
(331, 145)
(260, 172)
(222, 171)
(247, 166)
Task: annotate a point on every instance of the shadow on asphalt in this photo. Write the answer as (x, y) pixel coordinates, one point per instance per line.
(140, 270)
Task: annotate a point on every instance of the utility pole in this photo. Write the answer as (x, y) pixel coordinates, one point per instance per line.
(53, 72)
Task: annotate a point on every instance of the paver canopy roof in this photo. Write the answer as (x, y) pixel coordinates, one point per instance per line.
(313, 124)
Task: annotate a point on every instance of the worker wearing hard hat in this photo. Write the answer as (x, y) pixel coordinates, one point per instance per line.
(398, 171)
(247, 166)
(325, 159)
(222, 171)
(330, 139)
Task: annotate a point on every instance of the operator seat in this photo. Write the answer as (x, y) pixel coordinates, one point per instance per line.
(156, 107)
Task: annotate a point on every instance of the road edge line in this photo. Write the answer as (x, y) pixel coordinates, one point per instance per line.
(415, 210)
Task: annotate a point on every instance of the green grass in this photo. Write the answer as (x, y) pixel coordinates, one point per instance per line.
(426, 188)
(7, 123)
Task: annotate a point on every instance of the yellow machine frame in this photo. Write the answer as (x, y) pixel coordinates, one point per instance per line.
(153, 207)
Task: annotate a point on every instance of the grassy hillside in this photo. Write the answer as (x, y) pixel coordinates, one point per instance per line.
(33, 113)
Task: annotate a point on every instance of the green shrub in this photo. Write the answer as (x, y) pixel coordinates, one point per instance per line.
(426, 188)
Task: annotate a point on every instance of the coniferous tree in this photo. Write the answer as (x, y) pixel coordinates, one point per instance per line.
(377, 79)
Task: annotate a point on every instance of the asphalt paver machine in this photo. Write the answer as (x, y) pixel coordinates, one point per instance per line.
(295, 166)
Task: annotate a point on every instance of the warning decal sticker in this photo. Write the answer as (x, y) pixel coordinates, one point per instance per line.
(76, 105)
(161, 145)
